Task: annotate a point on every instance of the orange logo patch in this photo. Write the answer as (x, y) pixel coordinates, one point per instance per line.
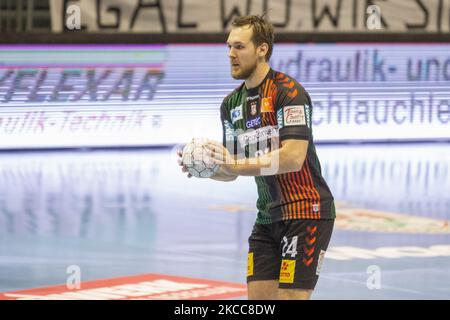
(266, 105)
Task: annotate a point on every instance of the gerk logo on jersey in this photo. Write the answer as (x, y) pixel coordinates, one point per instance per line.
(253, 122)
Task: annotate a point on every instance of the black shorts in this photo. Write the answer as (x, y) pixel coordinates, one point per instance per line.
(289, 251)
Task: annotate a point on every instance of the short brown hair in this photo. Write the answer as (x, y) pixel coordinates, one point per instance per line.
(263, 31)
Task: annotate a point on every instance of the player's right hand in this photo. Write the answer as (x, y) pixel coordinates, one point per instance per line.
(180, 163)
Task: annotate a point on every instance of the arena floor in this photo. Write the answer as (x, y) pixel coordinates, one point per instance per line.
(121, 213)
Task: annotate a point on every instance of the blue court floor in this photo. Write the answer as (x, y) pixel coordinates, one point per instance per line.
(126, 212)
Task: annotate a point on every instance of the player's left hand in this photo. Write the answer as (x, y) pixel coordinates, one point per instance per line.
(220, 155)
(180, 163)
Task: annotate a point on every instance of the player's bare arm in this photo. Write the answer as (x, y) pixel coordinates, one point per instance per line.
(288, 158)
(222, 175)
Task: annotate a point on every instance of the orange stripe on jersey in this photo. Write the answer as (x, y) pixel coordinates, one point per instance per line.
(292, 94)
(264, 115)
(273, 92)
(300, 212)
(286, 187)
(289, 85)
(308, 189)
(314, 189)
(268, 118)
(264, 119)
(271, 118)
(302, 191)
(269, 88)
(266, 87)
(308, 193)
(284, 195)
(293, 197)
(300, 197)
(311, 194)
(305, 198)
(298, 207)
(262, 88)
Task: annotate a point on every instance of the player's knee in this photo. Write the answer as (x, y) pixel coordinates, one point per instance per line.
(294, 294)
(262, 290)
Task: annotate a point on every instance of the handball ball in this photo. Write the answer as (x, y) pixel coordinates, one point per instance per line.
(197, 161)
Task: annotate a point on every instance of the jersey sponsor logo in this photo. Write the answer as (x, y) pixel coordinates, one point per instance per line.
(253, 122)
(294, 116)
(236, 114)
(250, 264)
(280, 118)
(229, 130)
(320, 262)
(287, 271)
(140, 287)
(308, 115)
(267, 105)
(253, 97)
(260, 134)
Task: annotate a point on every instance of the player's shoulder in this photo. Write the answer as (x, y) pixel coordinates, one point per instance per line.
(283, 80)
(288, 87)
(232, 94)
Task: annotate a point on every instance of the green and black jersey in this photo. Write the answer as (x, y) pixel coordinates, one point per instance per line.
(256, 121)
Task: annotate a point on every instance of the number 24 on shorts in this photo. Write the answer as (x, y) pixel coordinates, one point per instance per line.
(290, 248)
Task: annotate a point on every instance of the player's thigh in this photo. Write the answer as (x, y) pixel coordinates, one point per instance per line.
(303, 247)
(263, 263)
(262, 290)
(294, 294)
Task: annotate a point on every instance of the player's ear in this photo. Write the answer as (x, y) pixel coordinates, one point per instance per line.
(262, 50)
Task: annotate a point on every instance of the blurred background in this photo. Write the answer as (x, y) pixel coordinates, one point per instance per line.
(96, 96)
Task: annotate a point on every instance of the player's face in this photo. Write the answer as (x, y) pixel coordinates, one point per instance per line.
(242, 52)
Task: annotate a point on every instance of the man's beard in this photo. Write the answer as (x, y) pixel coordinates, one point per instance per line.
(244, 73)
